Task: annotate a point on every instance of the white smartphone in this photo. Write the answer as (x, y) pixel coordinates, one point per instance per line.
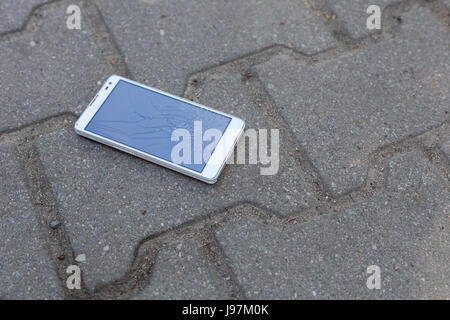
(156, 126)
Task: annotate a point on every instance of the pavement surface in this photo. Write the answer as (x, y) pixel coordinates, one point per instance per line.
(363, 176)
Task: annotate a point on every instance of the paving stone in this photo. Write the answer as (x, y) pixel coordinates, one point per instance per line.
(101, 191)
(14, 13)
(353, 14)
(180, 273)
(164, 41)
(343, 109)
(445, 147)
(54, 70)
(404, 231)
(26, 272)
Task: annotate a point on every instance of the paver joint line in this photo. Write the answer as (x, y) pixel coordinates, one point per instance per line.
(25, 25)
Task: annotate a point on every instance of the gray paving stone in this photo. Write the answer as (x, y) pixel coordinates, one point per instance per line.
(101, 191)
(445, 147)
(404, 231)
(180, 273)
(353, 14)
(14, 13)
(53, 70)
(164, 41)
(26, 272)
(343, 109)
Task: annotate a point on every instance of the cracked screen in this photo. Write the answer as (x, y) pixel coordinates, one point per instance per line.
(146, 120)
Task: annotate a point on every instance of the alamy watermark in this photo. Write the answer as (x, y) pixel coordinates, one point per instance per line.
(374, 280)
(74, 279)
(73, 21)
(374, 20)
(191, 149)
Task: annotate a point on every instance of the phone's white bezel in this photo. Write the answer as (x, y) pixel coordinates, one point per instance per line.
(216, 162)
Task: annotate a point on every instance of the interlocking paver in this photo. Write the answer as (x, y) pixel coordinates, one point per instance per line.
(14, 13)
(165, 41)
(26, 272)
(403, 231)
(101, 191)
(353, 14)
(343, 109)
(180, 273)
(54, 70)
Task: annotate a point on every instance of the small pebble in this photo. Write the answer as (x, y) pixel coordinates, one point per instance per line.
(54, 224)
(61, 257)
(32, 43)
(106, 248)
(80, 258)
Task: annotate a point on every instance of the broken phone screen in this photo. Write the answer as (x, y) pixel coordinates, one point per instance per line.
(159, 125)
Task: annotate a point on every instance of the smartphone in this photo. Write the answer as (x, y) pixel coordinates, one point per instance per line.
(156, 126)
